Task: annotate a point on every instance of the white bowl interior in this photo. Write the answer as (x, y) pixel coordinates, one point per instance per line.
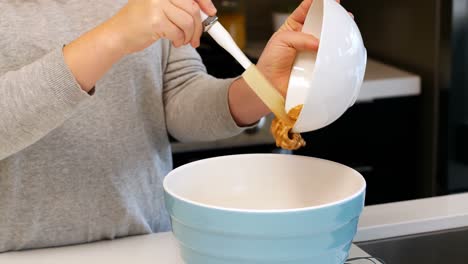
(264, 182)
(327, 82)
(304, 66)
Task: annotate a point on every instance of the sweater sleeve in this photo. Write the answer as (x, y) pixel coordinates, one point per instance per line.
(34, 100)
(196, 103)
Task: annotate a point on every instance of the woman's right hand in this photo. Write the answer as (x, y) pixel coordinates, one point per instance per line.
(135, 27)
(140, 23)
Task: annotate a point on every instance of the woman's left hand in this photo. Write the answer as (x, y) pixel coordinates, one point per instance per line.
(276, 64)
(278, 57)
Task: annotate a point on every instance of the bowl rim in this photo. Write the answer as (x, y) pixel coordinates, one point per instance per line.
(313, 73)
(360, 192)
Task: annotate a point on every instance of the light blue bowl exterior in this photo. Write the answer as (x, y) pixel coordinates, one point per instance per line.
(216, 236)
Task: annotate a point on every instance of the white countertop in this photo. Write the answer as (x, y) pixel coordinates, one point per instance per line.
(413, 217)
(149, 249)
(383, 81)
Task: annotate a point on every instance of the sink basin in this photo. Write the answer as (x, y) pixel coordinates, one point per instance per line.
(448, 246)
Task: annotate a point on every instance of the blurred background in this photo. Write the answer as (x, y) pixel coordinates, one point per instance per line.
(408, 133)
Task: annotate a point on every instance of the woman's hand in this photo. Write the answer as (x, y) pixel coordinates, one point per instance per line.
(142, 22)
(276, 64)
(278, 57)
(135, 27)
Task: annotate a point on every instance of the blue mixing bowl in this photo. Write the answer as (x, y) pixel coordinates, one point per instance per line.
(264, 208)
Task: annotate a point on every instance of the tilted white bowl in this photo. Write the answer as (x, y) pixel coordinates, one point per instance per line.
(328, 82)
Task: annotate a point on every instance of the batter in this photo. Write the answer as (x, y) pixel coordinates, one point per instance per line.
(282, 131)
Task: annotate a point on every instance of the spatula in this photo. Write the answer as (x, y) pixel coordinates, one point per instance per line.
(254, 78)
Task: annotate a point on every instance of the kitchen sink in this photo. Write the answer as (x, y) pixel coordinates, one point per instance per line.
(441, 247)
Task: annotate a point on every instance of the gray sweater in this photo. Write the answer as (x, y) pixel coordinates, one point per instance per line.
(76, 168)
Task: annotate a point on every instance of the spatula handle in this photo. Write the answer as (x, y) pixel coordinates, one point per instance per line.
(254, 78)
(224, 39)
(271, 97)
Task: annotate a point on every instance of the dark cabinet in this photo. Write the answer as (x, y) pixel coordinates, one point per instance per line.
(379, 140)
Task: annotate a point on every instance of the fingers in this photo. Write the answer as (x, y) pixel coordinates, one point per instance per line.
(298, 40)
(184, 15)
(296, 20)
(198, 31)
(195, 11)
(300, 13)
(207, 6)
(192, 8)
(183, 21)
(171, 31)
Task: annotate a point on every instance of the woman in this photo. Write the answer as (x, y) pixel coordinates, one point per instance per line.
(84, 127)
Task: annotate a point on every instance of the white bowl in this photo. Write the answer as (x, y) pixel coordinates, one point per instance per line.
(328, 82)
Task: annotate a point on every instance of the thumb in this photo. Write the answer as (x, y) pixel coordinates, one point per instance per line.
(297, 40)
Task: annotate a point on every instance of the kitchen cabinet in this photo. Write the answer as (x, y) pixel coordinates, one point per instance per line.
(377, 136)
(424, 138)
(422, 36)
(378, 140)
